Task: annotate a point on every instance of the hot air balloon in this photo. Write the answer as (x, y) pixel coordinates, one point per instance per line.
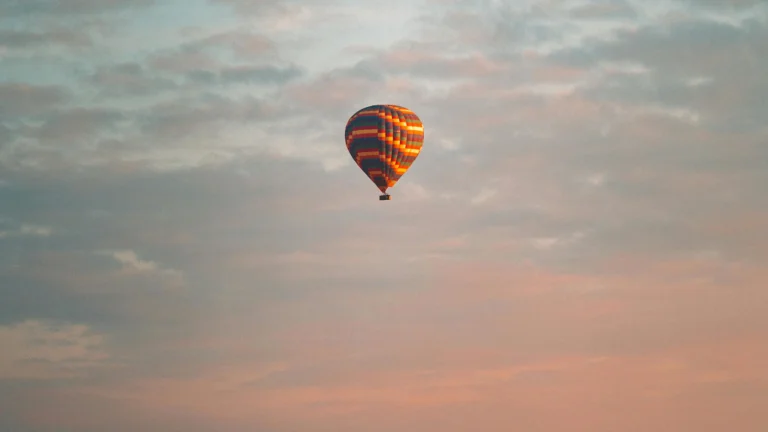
(384, 140)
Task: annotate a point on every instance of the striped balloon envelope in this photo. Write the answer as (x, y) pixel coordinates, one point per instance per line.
(384, 140)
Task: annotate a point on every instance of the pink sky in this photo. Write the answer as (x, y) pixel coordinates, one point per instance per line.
(187, 245)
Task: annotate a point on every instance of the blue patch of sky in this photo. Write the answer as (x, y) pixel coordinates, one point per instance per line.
(136, 34)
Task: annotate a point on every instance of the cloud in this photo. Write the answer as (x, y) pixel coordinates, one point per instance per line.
(26, 39)
(21, 100)
(133, 264)
(579, 245)
(196, 62)
(73, 7)
(36, 349)
(76, 125)
(672, 57)
(276, 16)
(251, 7)
(27, 230)
(245, 74)
(242, 43)
(418, 370)
(183, 61)
(101, 136)
(129, 79)
(482, 196)
(604, 10)
(729, 5)
(206, 55)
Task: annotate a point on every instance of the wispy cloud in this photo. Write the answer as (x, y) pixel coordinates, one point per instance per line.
(35, 349)
(132, 264)
(27, 230)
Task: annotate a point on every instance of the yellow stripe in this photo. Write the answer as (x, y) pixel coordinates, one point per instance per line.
(363, 131)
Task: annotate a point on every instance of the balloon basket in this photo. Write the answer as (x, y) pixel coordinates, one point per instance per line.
(384, 197)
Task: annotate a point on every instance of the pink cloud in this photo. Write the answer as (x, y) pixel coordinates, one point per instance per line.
(640, 344)
(336, 91)
(655, 389)
(182, 62)
(475, 65)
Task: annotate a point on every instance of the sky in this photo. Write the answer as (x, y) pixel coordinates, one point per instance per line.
(187, 245)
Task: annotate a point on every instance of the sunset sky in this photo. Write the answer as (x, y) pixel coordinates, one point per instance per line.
(187, 245)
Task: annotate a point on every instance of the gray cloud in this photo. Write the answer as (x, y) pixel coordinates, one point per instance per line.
(27, 39)
(589, 205)
(5, 134)
(21, 100)
(175, 132)
(209, 61)
(32, 8)
(243, 44)
(204, 229)
(728, 5)
(605, 9)
(259, 7)
(74, 126)
(129, 79)
(658, 47)
(183, 60)
(245, 75)
(681, 76)
(205, 114)
(206, 52)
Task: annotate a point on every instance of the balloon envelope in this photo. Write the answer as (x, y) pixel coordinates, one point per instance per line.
(384, 140)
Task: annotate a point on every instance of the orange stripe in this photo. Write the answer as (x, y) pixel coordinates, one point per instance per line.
(403, 149)
(368, 112)
(357, 132)
(368, 153)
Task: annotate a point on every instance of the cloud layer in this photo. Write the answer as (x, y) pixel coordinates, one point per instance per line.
(185, 242)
